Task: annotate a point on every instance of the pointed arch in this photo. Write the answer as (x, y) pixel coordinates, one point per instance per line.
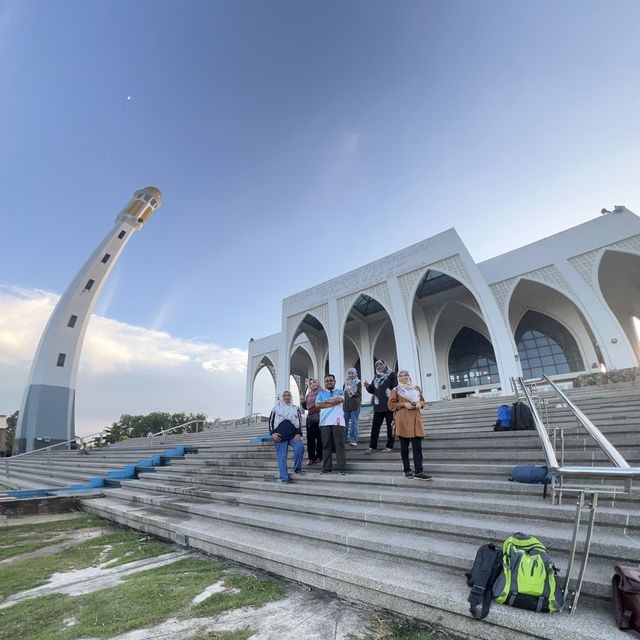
(566, 322)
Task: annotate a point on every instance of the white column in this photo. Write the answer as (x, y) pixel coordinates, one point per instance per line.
(336, 347)
(403, 329)
(428, 379)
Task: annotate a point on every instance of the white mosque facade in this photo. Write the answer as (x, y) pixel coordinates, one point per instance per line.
(565, 305)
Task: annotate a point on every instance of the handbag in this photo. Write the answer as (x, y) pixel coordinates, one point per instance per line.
(286, 430)
(626, 598)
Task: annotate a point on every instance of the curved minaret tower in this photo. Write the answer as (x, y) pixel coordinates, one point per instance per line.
(47, 414)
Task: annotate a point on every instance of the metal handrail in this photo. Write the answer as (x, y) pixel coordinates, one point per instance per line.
(151, 436)
(586, 494)
(549, 453)
(610, 451)
(58, 444)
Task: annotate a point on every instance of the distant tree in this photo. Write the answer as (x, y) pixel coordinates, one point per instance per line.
(129, 426)
(12, 422)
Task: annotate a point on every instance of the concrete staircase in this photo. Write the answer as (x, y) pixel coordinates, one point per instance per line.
(380, 538)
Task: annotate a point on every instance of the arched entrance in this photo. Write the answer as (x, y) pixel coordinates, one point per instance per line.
(619, 282)
(263, 387)
(309, 351)
(454, 342)
(368, 333)
(551, 334)
(472, 361)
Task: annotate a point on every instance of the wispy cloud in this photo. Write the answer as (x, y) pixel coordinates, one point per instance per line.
(123, 368)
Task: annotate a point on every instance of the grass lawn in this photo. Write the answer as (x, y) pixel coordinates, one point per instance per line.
(142, 600)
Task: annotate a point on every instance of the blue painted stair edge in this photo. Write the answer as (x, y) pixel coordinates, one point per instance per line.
(128, 472)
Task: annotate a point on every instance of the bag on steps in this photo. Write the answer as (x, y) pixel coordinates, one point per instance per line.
(486, 568)
(531, 474)
(521, 417)
(528, 578)
(503, 423)
(626, 598)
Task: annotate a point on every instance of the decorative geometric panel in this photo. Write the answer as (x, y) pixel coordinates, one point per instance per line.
(631, 244)
(501, 291)
(551, 276)
(408, 283)
(583, 264)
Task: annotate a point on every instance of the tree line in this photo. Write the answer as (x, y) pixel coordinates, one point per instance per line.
(128, 426)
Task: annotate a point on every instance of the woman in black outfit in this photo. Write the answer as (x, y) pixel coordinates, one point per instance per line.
(380, 388)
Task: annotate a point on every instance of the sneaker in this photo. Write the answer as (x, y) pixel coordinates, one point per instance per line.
(408, 474)
(387, 450)
(310, 462)
(370, 450)
(299, 471)
(422, 476)
(287, 481)
(343, 473)
(326, 471)
(353, 444)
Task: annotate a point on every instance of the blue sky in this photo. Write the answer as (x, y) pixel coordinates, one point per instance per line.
(264, 122)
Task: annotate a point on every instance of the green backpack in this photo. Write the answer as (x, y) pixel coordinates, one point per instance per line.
(528, 578)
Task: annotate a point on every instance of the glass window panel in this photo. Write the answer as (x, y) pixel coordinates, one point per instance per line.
(471, 358)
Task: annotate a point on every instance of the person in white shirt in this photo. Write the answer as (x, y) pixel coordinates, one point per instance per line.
(330, 403)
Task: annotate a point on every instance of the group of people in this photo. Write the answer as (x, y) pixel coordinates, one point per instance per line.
(332, 421)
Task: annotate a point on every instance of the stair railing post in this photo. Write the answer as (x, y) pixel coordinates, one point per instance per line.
(574, 544)
(585, 552)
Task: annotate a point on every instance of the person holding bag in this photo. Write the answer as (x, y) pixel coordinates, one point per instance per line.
(285, 427)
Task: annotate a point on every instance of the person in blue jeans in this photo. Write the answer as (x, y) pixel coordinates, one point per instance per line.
(285, 427)
(352, 402)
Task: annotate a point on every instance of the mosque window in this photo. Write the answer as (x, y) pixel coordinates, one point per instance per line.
(147, 198)
(72, 321)
(545, 346)
(472, 361)
(61, 358)
(121, 235)
(105, 258)
(153, 202)
(89, 284)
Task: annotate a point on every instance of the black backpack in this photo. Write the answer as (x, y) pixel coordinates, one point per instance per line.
(521, 417)
(486, 568)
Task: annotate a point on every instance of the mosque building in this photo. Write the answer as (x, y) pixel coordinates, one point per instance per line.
(565, 305)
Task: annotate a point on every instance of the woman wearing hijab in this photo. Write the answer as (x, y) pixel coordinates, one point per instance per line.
(380, 388)
(352, 402)
(285, 427)
(406, 401)
(314, 439)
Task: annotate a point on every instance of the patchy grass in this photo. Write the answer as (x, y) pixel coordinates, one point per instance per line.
(127, 546)
(84, 521)
(17, 549)
(237, 634)
(248, 591)
(404, 629)
(143, 600)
